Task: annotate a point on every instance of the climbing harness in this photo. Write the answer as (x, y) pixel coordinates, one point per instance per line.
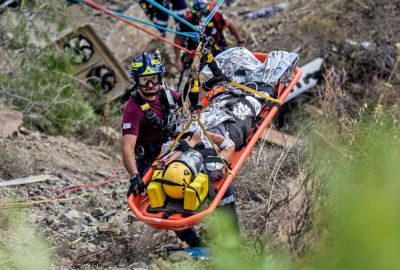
(154, 120)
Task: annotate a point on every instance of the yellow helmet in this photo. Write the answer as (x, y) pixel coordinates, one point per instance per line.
(178, 173)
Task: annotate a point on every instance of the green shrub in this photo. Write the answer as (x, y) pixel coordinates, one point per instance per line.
(356, 218)
(21, 248)
(44, 89)
(40, 81)
(361, 217)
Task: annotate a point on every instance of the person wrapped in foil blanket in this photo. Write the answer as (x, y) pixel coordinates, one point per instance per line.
(231, 115)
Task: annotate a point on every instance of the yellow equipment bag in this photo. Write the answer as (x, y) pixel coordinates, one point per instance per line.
(199, 185)
(155, 191)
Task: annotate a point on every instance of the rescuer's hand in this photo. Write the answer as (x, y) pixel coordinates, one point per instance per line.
(137, 186)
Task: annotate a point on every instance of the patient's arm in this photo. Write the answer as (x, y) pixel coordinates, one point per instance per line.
(168, 159)
(227, 153)
(192, 141)
(226, 150)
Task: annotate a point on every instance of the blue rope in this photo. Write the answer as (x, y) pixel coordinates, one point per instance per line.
(162, 8)
(194, 36)
(211, 15)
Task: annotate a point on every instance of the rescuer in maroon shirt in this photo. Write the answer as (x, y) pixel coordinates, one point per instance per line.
(144, 129)
(144, 125)
(145, 117)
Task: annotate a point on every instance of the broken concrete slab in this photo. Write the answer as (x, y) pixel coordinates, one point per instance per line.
(27, 180)
(126, 40)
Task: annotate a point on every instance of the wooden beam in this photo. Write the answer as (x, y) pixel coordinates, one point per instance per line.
(27, 180)
(279, 138)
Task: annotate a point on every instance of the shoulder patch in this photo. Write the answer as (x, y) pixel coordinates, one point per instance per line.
(126, 125)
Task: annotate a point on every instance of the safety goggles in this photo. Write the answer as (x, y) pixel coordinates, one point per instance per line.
(146, 80)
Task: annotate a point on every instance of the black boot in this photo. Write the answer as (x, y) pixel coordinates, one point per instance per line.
(190, 236)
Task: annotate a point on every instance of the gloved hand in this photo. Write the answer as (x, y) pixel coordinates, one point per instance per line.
(210, 83)
(137, 186)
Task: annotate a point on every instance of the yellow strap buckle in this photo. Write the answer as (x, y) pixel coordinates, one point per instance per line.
(257, 93)
(145, 106)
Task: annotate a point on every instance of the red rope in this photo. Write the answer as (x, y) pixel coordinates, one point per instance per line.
(73, 188)
(109, 12)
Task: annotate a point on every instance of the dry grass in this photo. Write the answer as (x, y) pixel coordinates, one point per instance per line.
(13, 163)
(274, 195)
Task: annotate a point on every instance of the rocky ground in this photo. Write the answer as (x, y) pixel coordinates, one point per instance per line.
(92, 229)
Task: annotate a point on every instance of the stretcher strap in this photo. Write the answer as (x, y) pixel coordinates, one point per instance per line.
(255, 92)
(170, 183)
(213, 146)
(176, 141)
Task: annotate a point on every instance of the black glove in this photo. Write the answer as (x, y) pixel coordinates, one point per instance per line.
(137, 186)
(209, 84)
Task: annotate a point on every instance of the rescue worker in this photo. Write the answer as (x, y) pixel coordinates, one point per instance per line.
(197, 11)
(144, 125)
(158, 16)
(145, 113)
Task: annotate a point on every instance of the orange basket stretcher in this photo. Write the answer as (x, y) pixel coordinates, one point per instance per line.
(179, 221)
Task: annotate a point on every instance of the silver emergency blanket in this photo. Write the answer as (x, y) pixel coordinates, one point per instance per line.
(242, 66)
(216, 114)
(194, 160)
(213, 118)
(239, 110)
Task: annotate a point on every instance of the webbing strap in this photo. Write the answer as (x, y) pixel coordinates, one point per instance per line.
(213, 146)
(232, 101)
(255, 92)
(248, 104)
(176, 141)
(183, 146)
(172, 146)
(209, 155)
